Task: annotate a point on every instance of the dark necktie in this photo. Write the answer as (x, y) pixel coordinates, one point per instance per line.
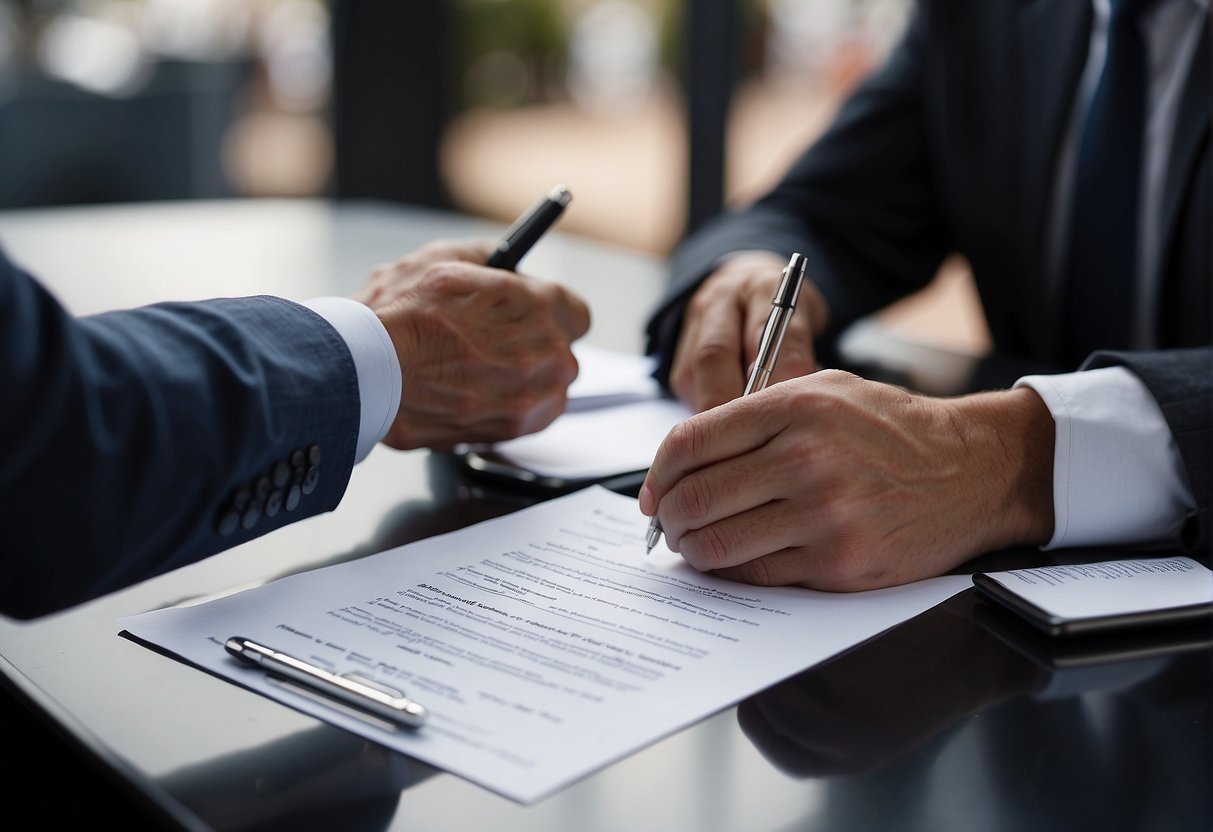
(1104, 232)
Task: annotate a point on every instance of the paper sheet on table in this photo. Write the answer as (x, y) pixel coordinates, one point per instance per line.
(596, 443)
(614, 423)
(1119, 587)
(545, 643)
(606, 377)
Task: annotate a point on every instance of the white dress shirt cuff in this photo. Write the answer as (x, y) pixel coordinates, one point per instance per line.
(1118, 477)
(375, 363)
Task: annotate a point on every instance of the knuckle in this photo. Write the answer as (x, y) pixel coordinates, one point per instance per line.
(682, 380)
(835, 376)
(823, 404)
(548, 411)
(534, 295)
(514, 426)
(533, 415)
(757, 572)
(437, 248)
(447, 275)
(703, 299)
(530, 410)
(550, 337)
(709, 546)
(714, 354)
(686, 438)
(843, 569)
(692, 497)
(567, 370)
(584, 317)
(719, 288)
(831, 517)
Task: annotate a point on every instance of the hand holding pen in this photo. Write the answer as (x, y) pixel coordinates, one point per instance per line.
(485, 354)
(783, 306)
(391, 281)
(836, 483)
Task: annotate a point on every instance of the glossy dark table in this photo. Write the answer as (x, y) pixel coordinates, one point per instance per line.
(959, 719)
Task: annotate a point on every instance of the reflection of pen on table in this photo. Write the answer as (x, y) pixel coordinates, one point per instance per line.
(783, 305)
(362, 694)
(528, 228)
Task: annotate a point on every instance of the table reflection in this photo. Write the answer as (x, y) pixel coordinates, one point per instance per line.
(902, 725)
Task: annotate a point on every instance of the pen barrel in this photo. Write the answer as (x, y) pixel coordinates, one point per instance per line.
(527, 230)
(539, 221)
(501, 258)
(768, 349)
(362, 696)
(758, 380)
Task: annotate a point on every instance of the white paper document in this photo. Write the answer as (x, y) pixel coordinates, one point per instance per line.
(545, 644)
(606, 377)
(1119, 587)
(615, 420)
(596, 443)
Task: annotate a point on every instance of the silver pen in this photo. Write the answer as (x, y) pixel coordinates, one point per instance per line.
(783, 305)
(362, 694)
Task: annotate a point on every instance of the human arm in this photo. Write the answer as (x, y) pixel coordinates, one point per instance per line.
(142, 440)
(486, 354)
(133, 438)
(1133, 454)
(837, 483)
(723, 326)
(968, 174)
(859, 204)
(1119, 457)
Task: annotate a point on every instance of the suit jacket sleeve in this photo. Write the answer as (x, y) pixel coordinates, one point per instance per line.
(1181, 381)
(139, 441)
(859, 204)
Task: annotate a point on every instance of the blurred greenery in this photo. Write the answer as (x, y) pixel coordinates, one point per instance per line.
(537, 34)
(535, 31)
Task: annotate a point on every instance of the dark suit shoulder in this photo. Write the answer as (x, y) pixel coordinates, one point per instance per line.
(131, 437)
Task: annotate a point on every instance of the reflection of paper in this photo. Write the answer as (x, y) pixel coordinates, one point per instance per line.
(1090, 590)
(545, 643)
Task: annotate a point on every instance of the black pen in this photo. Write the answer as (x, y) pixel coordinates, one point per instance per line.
(783, 306)
(354, 690)
(528, 228)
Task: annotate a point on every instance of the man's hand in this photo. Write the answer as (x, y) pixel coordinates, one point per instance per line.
(837, 483)
(389, 281)
(485, 354)
(723, 325)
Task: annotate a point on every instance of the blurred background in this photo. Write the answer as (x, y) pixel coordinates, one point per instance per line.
(654, 112)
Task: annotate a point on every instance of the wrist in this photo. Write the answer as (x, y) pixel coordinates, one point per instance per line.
(400, 327)
(1009, 436)
(401, 332)
(376, 366)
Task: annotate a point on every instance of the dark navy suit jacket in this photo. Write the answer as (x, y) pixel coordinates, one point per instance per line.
(952, 147)
(139, 441)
